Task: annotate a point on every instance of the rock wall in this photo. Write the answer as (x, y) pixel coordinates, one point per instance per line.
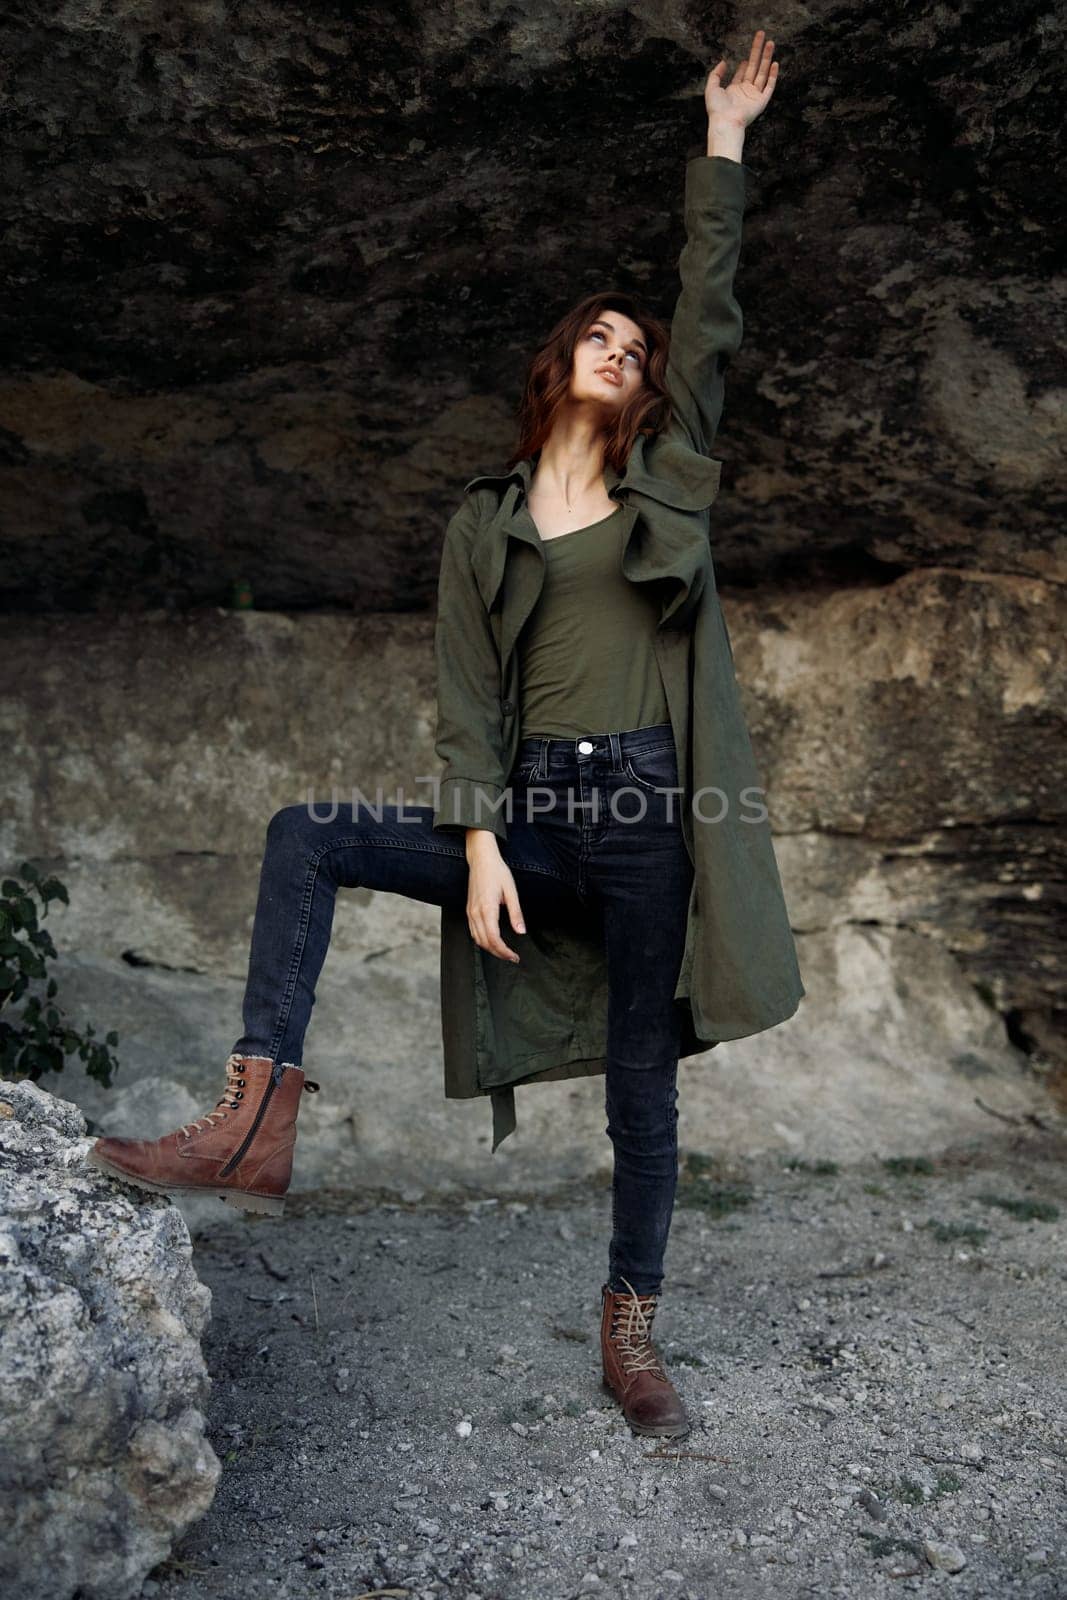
(103, 1459)
(900, 730)
(279, 273)
(278, 278)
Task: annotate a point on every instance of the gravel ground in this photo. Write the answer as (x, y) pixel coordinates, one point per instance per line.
(407, 1392)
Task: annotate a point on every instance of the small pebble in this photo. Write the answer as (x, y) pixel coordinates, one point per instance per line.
(948, 1557)
(871, 1503)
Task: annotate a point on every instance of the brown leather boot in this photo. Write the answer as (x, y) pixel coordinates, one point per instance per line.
(241, 1151)
(633, 1371)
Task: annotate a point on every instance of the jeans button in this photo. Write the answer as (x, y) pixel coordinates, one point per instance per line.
(585, 746)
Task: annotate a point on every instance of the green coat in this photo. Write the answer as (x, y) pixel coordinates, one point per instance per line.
(505, 1023)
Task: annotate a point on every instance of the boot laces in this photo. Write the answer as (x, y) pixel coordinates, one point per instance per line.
(229, 1100)
(631, 1331)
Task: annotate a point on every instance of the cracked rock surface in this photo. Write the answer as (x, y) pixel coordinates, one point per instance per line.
(278, 273)
(104, 1461)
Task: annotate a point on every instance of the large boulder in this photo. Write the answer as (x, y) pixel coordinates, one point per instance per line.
(103, 1458)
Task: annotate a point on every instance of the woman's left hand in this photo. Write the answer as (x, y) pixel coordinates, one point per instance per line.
(741, 101)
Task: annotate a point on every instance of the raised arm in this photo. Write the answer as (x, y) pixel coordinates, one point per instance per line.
(707, 325)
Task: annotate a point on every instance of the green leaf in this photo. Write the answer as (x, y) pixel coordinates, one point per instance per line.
(37, 1040)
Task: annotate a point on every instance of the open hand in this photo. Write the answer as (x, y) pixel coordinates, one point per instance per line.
(491, 884)
(741, 101)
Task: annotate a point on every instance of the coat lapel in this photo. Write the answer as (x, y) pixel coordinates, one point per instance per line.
(663, 541)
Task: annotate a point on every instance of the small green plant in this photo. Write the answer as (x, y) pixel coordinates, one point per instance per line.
(899, 1166)
(39, 1039)
(697, 1164)
(698, 1186)
(882, 1544)
(956, 1232)
(717, 1199)
(820, 1169)
(1022, 1210)
(913, 1493)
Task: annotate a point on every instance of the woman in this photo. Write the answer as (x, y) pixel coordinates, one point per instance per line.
(546, 582)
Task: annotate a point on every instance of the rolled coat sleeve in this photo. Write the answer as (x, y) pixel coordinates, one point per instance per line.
(707, 325)
(469, 737)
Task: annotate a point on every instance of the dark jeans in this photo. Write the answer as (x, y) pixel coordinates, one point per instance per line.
(588, 828)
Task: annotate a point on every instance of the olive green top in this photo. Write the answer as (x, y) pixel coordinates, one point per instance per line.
(587, 661)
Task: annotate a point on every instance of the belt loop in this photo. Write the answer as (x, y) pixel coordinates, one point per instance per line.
(616, 752)
(542, 759)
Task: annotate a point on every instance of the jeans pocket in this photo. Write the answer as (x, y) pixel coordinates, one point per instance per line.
(654, 769)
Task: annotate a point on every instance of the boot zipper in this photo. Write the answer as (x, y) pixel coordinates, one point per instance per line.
(275, 1079)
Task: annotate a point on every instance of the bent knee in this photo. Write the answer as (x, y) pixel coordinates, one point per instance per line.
(296, 825)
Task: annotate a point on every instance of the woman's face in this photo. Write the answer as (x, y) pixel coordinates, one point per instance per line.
(609, 361)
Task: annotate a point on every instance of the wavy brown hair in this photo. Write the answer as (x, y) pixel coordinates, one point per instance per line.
(548, 379)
